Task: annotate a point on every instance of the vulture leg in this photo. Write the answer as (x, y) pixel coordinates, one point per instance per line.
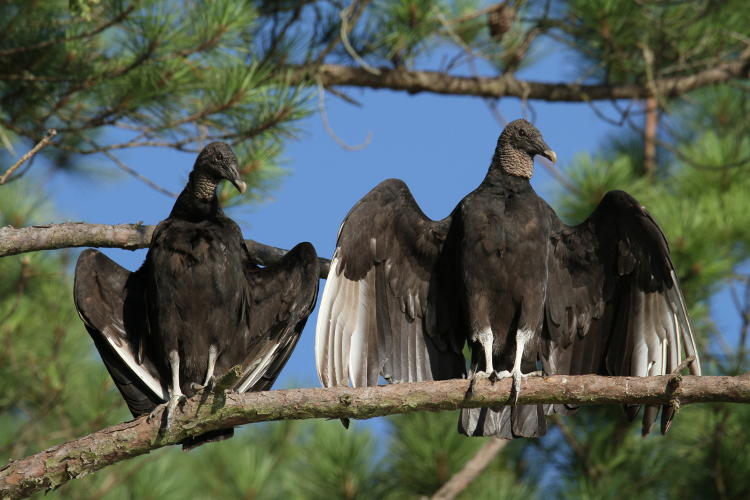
(175, 393)
(486, 338)
(522, 337)
(212, 355)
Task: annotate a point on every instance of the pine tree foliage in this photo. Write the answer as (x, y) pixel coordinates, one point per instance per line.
(118, 74)
(115, 74)
(46, 393)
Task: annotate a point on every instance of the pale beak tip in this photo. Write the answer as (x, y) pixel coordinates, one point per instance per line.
(550, 155)
(240, 185)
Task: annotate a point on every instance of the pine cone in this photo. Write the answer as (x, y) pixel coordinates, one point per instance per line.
(499, 20)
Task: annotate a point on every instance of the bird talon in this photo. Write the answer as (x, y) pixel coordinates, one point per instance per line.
(475, 378)
(174, 401)
(516, 386)
(153, 413)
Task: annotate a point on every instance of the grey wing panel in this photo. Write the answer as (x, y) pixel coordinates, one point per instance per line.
(378, 313)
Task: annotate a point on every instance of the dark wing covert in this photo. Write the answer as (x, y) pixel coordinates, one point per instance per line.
(613, 305)
(109, 299)
(282, 296)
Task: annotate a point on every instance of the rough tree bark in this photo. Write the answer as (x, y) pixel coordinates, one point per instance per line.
(57, 465)
(14, 241)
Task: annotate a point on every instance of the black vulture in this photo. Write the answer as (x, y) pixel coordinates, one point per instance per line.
(198, 305)
(503, 273)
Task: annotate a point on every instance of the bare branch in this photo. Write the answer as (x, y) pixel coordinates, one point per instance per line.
(471, 470)
(333, 75)
(14, 241)
(45, 140)
(121, 165)
(329, 130)
(203, 413)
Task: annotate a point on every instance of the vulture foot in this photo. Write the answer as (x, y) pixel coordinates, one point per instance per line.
(174, 400)
(169, 407)
(209, 385)
(517, 376)
(491, 376)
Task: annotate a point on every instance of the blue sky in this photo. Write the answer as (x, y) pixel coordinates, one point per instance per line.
(441, 147)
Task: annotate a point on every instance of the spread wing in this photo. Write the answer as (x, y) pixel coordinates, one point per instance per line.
(282, 296)
(387, 309)
(613, 304)
(109, 300)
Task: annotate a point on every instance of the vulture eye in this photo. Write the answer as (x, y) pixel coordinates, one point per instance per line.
(219, 157)
(522, 133)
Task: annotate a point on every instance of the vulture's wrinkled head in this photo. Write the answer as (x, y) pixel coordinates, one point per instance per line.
(217, 161)
(519, 142)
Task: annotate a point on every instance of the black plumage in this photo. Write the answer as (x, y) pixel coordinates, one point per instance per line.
(198, 305)
(503, 273)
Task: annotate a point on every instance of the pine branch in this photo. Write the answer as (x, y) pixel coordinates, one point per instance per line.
(67, 39)
(15, 241)
(412, 81)
(202, 413)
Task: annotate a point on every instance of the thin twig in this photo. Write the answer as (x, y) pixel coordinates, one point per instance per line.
(329, 129)
(45, 140)
(357, 9)
(348, 46)
(684, 364)
(471, 470)
(137, 175)
(580, 450)
(476, 13)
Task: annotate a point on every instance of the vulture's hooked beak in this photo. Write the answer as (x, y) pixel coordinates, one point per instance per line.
(543, 150)
(239, 184)
(550, 155)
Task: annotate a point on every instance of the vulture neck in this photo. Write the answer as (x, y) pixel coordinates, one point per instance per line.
(510, 167)
(198, 200)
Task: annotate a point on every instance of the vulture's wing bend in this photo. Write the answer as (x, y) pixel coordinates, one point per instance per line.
(613, 304)
(282, 296)
(385, 310)
(109, 300)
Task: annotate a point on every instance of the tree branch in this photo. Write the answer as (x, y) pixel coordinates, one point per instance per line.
(14, 241)
(471, 470)
(45, 140)
(332, 75)
(206, 412)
